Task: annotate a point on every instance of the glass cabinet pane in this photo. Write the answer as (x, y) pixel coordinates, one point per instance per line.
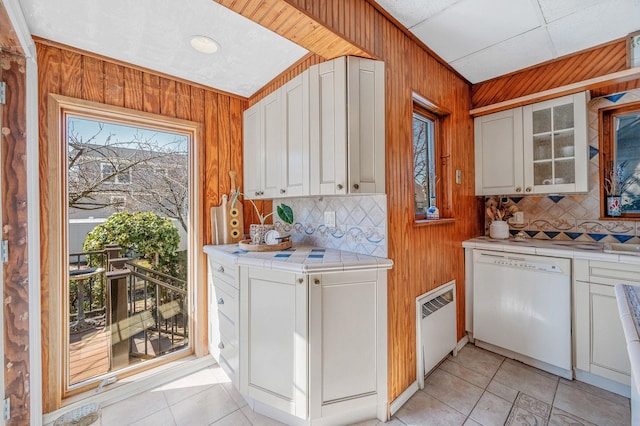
(565, 171)
(542, 121)
(563, 144)
(563, 117)
(542, 173)
(542, 147)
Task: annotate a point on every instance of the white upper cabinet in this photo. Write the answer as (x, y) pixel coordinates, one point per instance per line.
(294, 179)
(535, 149)
(347, 126)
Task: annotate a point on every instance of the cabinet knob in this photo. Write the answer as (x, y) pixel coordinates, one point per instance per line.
(528, 189)
(220, 345)
(257, 193)
(300, 280)
(316, 281)
(221, 269)
(261, 192)
(282, 191)
(340, 186)
(356, 186)
(519, 189)
(220, 301)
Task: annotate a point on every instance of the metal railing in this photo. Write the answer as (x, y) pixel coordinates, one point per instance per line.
(93, 298)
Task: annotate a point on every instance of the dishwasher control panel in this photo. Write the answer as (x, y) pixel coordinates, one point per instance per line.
(529, 264)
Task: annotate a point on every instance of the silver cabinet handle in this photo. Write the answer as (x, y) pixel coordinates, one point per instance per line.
(519, 189)
(220, 345)
(316, 281)
(221, 269)
(257, 193)
(220, 301)
(356, 186)
(300, 280)
(340, 186)
(528, 189)
(282, 191)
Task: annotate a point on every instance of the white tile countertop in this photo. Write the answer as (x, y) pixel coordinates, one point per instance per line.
(628, 298)
(567, 249)
(301, 259)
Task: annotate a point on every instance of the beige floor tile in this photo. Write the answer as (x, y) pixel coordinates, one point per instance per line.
(532, 369)
(478, 360)
(258, 419)
(160, 418)
(234, 419)
(204, 408)
(491, 410)
(591, 407)
(471, 422)
(376, 422)
(134, 409)
(192, 384)
(523, 379)
(562, 418)
(533, 405)
(453, 391)
(602, 393)
(424, 410)
(234, 394)
(521, 417)
(503, 391)
(465, 373)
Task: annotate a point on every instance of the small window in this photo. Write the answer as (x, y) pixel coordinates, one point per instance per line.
(430, 187)
(620, 160)
(109, 173)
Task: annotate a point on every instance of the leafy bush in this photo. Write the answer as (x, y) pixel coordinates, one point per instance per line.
(148, 235)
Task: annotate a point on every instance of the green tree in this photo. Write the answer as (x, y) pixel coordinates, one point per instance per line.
(153, 238)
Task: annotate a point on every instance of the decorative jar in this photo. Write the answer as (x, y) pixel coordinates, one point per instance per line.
(257, 232)
(499, 229)
(614, 205)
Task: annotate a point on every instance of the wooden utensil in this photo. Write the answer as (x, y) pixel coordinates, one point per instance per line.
(234, 214)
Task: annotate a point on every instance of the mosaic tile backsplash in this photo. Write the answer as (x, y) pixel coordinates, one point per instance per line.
(361, 222)
(576, 216)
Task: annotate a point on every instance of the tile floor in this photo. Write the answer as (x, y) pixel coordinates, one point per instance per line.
(475, 388)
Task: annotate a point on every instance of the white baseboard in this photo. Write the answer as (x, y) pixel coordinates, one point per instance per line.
(403, 397)
(601, 382)
(461, 344)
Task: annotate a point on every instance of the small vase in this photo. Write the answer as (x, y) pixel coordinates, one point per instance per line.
(499, 229)
(614, 205)
(258, 231)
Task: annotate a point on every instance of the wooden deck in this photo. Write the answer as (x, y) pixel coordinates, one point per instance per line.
(89, 354)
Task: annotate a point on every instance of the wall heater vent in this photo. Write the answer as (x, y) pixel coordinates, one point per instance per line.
(436, 327)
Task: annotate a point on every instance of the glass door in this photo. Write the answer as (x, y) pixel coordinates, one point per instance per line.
(553, 145)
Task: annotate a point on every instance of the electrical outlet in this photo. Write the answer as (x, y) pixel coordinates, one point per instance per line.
(330, 219)
(518, 218)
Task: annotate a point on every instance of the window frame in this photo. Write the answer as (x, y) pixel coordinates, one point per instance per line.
(439, 116)
(607, 152)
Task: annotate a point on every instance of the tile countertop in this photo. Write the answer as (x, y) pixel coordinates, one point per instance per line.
(301, 259)
(628, 299)
(568, 249)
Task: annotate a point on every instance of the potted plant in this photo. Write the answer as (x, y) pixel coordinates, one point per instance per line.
(258, 231)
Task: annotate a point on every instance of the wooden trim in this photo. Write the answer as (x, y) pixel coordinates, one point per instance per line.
(130, 67)
(592, 83)
(606, 138)
(9, 40)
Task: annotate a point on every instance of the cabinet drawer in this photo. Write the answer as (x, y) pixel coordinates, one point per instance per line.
(223, 271)
(228, 332)
(613, 273)
(226, 299)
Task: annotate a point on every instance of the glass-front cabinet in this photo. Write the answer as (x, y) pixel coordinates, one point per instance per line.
(555, 145)
(535, 149)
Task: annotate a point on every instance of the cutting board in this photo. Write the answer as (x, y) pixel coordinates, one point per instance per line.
(227, 219)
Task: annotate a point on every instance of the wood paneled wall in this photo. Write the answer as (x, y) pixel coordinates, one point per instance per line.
(14, 229)
(601, 60)
(77, 74)
(424, 256)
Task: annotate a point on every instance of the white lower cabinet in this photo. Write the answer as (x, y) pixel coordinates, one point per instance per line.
(600, 345)
(314, 346)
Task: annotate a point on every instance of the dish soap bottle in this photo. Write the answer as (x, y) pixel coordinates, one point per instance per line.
(432, 211)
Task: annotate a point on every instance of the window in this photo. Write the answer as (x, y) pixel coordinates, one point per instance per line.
(427, 169)
(620, 158)
(109, 173)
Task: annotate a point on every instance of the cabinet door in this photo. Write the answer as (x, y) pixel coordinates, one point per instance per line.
(498, 153)
(253, 151)
(295, 152)
(555, 145)
(345, 339)
(272, 128)
(328, 127)
(273, 339)
(365, 97)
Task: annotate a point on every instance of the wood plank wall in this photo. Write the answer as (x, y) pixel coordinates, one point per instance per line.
(598, 61)
(77, 74)
(424, 257)
(14, 220)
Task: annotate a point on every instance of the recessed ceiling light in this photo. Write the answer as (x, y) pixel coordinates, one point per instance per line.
(204, 44)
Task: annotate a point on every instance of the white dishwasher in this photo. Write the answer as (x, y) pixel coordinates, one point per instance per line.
(522, 308)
